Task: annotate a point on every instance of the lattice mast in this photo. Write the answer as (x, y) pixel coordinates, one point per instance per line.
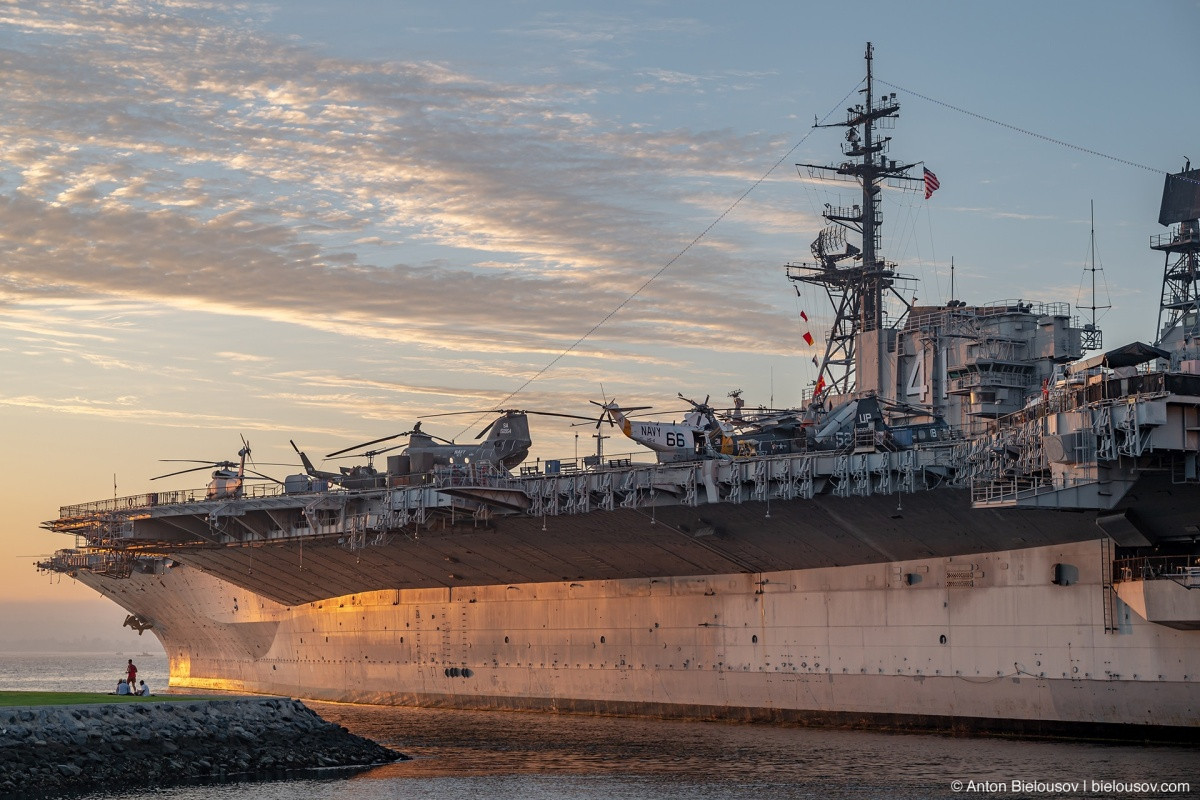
(1092, 338)
(1179, 310)
(857, 289)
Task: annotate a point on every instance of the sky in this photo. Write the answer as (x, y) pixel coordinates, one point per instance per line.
(318, 221)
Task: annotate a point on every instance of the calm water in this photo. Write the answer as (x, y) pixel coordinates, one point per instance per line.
(530, 756)
(84, 672)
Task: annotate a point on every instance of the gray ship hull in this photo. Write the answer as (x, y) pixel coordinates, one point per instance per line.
(651, 543)
(983, 642)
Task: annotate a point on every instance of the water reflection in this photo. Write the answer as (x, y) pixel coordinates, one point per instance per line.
(731, 760)
(465, 755)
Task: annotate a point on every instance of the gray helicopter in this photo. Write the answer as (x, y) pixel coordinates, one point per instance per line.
(507, 445)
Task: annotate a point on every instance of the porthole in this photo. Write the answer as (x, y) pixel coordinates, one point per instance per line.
(942, 639)
(601, 640)
(754, 639)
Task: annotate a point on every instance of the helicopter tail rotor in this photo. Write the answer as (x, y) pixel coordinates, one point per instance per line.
(610, 407)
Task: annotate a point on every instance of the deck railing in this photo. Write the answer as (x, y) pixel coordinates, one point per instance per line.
(1181, 569)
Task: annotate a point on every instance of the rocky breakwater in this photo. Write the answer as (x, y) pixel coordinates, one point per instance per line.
(48, 750)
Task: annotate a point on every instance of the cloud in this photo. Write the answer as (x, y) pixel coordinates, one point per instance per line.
(206, 228)
(209, 167)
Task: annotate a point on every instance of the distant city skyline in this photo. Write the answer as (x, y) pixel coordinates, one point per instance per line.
(316, 222)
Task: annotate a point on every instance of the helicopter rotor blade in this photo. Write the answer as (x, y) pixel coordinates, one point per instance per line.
(267, 477)
(416, 431)
(506, 412)
(476, 411)
(605, 411)
(370, 453)
(612, 405)
(184, 471)
(556, 414)
(363, 444)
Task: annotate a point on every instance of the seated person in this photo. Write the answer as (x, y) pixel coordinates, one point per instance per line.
(123, 687)
(143, 689)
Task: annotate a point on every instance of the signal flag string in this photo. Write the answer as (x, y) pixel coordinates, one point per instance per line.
(672, 261)
(929, 191)
(810, 341)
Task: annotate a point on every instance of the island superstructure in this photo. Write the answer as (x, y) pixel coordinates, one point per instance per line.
(971, 526)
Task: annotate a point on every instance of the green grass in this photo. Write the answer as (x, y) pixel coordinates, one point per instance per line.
(8, 699)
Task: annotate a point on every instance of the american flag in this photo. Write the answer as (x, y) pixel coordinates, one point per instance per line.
(931, 183)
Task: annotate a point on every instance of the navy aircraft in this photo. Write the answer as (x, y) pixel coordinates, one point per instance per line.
(507, 444)
(701, 434)
(228, 477)
(706, 432)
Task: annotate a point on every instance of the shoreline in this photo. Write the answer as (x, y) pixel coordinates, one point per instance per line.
(51, 750)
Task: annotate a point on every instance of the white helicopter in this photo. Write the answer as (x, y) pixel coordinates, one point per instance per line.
(228, 477)
(701, 434)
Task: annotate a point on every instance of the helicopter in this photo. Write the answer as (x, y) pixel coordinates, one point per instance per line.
(702, 434)
(706, 432)
(507, 444)
(228, 479)
(766, 431)
(356, 477)
(366, 476)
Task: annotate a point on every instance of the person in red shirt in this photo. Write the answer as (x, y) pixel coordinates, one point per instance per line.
(131, 672)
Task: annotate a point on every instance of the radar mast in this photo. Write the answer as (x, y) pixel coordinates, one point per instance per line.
(1179, 311)
(856, 279)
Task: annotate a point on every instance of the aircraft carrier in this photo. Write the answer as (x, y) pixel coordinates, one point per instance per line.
(983, 521)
